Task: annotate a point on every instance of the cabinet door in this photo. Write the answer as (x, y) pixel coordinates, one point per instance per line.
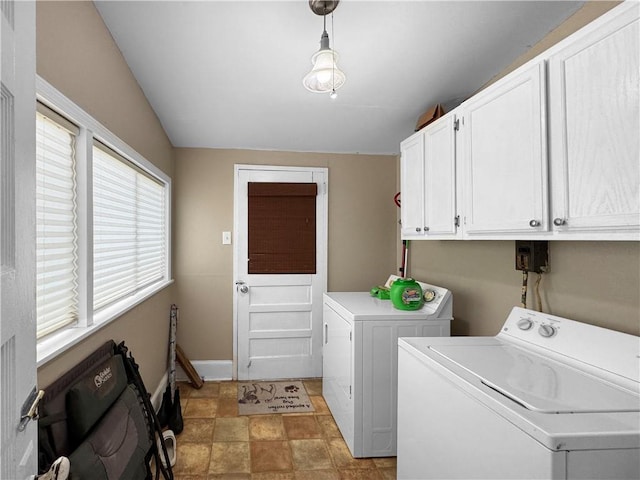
(505, 156)
(440, 178)
(595, 120)
(412, 186)
(337, 371)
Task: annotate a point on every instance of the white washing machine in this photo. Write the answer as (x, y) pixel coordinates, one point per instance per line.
(547, 398)
(360, 362)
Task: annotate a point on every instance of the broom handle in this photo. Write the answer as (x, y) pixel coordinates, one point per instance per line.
(172, 349)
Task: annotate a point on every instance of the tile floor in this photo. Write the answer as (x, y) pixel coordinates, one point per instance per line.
(217, 443)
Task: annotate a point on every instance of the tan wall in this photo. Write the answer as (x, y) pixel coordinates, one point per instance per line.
(594, 282)
(589, 12)
(76, 54)
(362, 236)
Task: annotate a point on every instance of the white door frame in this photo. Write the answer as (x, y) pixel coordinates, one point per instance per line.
(322, 237)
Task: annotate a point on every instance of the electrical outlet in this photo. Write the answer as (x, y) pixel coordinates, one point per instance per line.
(532, 255)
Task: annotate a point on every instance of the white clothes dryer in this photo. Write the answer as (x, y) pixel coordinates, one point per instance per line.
(360, 362)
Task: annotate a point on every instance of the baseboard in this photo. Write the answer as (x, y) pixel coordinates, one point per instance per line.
(209, 370)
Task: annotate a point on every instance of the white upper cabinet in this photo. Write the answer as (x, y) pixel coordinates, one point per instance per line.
(428, 178)
(550, 151)
(440, 178)
(594, 106)
(505, 156)
(412, 181)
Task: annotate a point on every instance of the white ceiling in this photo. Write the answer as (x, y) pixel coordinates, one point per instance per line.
(228, 74)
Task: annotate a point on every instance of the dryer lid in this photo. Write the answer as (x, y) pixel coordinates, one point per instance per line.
(539, 384)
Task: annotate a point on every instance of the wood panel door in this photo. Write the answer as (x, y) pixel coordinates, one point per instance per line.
(278, 305)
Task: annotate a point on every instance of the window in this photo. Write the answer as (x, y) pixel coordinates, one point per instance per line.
(56, 232)
(103, 225)
(128, 228)
(282, 227)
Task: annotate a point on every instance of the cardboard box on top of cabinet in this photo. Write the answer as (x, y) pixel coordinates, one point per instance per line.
(429, 116)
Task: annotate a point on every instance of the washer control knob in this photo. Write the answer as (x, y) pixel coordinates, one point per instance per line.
(525, 324)
(546, 331)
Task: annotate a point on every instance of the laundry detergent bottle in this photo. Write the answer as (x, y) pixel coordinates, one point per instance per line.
(406, 294)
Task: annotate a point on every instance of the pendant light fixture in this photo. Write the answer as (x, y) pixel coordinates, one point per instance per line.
(325, 76)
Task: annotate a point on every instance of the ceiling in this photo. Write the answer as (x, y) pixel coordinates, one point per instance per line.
(228, 74)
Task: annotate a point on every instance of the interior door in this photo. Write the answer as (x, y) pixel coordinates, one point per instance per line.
(278, 316)
(18, 443)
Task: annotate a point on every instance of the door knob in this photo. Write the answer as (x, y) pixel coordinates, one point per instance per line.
(242, 287)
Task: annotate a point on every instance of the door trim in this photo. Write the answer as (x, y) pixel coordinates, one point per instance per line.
(323, 236)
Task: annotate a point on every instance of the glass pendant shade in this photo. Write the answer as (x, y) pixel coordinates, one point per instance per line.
(325, 76)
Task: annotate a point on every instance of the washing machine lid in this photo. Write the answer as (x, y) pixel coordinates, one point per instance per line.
(537, 383)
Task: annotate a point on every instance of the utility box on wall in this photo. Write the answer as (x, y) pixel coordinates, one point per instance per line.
(532, 255)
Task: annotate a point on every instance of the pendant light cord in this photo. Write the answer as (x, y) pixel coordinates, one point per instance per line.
(333, 63)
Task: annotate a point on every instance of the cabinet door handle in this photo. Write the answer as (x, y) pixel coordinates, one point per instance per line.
(426, 229)
(418, 229)
(534, 223)
(326, 333)
(558, 222)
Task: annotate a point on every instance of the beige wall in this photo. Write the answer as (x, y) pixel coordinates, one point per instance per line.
(589, 12)
(76, 54)
(362, 234)
(594, 282)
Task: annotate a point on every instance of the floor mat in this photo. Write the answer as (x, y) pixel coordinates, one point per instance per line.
(256, 398)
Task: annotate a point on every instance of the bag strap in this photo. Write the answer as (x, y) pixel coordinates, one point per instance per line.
(154, 424)
(47, 420)
(46, 452)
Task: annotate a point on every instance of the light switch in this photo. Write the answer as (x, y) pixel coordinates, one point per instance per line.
(226, 238)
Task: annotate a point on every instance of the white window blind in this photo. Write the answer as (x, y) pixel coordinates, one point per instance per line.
(129, 251)
(56, 247)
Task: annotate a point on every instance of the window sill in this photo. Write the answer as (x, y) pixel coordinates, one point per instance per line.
(57, 343)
